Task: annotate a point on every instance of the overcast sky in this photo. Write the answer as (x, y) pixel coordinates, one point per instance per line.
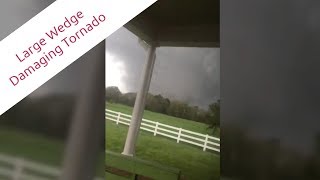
(187, 74)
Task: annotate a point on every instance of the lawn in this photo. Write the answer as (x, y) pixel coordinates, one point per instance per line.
(192, 161)
(165, 119)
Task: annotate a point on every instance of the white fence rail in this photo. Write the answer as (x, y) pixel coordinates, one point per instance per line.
(204, 141)
(13, 168)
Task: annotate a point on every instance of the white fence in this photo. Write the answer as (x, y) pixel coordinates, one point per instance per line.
(204, 141)
(13, 168)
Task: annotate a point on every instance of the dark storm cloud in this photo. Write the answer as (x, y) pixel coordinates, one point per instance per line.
(125, 48)
(188, 74)
(271, 75)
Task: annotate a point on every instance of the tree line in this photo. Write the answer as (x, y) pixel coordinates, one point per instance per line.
(160, 104)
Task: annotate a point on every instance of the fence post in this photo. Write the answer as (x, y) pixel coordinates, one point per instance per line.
(178, 139)
(155, 129)
(118, 118)
(18, 169)
(205, 143)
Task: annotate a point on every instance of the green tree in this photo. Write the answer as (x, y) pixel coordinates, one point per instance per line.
(214, 115)
(113, 94)
(128, 99)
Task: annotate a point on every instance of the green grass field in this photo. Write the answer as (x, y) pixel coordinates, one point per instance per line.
(194, 163)
(165, 119)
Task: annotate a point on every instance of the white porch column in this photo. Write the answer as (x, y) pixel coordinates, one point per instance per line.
(129, 148)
